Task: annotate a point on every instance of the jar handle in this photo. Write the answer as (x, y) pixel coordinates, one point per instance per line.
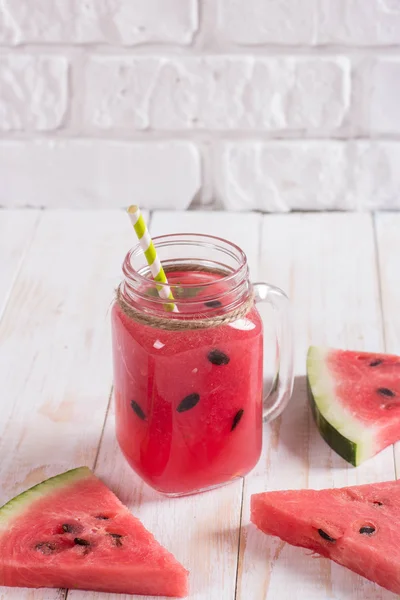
(283, 380)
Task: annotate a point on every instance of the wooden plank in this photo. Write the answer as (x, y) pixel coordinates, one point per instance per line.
(55, 355)
(201, 531)
(388, 242)
(327, 265)
(17, 228)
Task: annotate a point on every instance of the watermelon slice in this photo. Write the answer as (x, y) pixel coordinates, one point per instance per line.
(71, 531)
(355, 400)
(357, 527)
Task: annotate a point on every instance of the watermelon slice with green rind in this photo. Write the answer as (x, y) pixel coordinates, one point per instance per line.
(355, 400)
(71, 531)
(357, 527)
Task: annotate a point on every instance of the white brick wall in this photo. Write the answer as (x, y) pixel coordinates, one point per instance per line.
(34, 92)
(99, 173)
(272, 105)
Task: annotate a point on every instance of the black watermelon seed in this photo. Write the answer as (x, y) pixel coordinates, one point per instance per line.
(367, 530)
(102, 517)
(217, 357)
(137, 409)
(117, 537)
(213, 303)
(188, 402)
(237, 418)
(81, 542)
(46, 548)
(377, 503)
(386, 392)
(376, 362)
(68, 528)
(326, 537)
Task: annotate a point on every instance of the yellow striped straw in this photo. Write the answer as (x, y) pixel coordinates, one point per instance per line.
(150, 253)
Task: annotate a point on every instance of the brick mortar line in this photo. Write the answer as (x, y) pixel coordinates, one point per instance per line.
(168, 50)
(196, 137)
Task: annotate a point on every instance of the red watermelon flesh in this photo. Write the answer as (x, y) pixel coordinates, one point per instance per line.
(355, 399)
(357, 527)
(71, 531)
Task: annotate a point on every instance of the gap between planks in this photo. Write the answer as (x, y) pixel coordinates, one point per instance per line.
(238, 563)
(147, 218)
(379, 279)
(387, 235)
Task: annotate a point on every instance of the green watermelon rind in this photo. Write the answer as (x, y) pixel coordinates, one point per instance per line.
(15, 507)
(352, 439)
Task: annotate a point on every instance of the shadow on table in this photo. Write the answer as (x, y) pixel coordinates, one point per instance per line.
(296, 430)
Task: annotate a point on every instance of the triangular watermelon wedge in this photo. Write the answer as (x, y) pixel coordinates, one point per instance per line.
(71, 531)
(355, 400)
(357, 527)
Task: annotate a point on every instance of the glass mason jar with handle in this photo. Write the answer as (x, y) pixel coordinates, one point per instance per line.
(188, 383)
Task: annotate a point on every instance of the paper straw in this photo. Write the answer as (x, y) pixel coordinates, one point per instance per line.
(146, 243)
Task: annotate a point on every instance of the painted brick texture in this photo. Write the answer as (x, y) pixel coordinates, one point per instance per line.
(268, 105)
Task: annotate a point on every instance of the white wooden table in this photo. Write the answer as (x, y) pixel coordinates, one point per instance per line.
(58, 271)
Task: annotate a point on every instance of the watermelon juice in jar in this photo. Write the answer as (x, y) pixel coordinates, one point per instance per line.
(188, 383)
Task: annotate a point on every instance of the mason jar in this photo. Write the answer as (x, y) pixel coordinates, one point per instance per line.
(188, 374)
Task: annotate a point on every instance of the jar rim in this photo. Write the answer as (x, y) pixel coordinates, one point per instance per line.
(195, 239)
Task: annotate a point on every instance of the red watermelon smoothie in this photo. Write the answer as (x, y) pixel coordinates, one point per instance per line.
(189, 401)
